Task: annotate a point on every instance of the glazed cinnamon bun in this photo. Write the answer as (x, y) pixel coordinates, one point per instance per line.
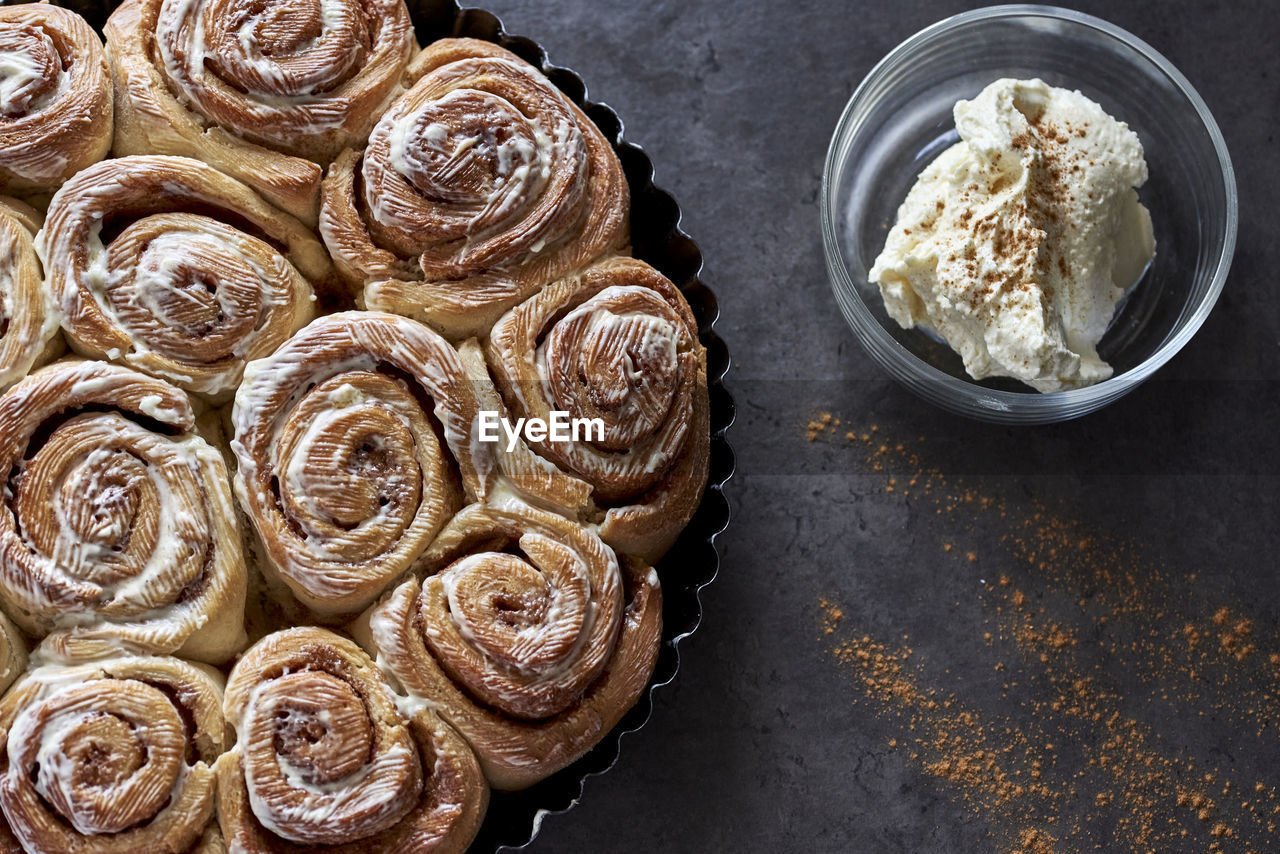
(13, 653)
(28, 318)
(267, 92)
(328, 759)
(112, 757)
(176, 269)
(617, 343)
(117, 528)
(55, 98)
(526, 634)
(479, 185)
(355, 444)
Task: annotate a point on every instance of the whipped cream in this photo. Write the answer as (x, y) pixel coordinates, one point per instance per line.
(1016, 243)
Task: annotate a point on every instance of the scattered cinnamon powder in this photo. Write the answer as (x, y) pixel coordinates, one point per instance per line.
(1033, 841)
(833, 616)
(823, 422)
(1073, 615)
(1235, 633)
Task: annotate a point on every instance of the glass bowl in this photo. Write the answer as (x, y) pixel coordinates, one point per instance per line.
(899, 119)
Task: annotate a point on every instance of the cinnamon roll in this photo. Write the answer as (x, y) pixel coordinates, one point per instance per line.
(526, 635)
(28, 320)
(55, 98)
(174, 268)
(327, 760)
(112, 756)
(355, 444)
(481, 184)
(619, 343)
(266, 92)
(117, 527)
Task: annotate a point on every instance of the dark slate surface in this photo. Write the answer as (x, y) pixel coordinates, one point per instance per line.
(760, 745)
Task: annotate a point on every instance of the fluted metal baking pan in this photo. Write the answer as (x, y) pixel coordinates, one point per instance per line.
(514, 818)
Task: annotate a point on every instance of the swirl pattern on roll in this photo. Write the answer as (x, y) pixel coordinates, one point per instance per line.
(355, 443)
(268, 92)
(117, 526)
(618, 343)
(114, 756)
(178, 270)
(326, 760)
(481, 184)
(55, 98)
(526, 635)
(28, 318)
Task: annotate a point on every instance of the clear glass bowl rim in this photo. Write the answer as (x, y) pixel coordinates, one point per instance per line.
(963, 396)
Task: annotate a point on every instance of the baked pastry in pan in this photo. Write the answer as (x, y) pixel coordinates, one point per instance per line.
(276, 393)
(526, 633)
(615, 342)
(27, 313)
(354, 446)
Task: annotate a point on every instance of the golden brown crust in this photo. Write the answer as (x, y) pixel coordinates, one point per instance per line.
(535, 478)
(525, 635)
(481, 184)
(30, 336)
(136, 739)
(355, 443)
(619, 343)
(117, 527)
(268, 93)
(174, 289)
(326, 761)
(13, 653)
(56, 118)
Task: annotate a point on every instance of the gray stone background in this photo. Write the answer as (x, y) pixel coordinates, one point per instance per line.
(761, 746)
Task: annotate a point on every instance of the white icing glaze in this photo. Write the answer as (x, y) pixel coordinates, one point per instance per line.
(20, 72)
(328, 558)
(177, 294)
(24, 353)
(524, 163)
(658, 349)
(104, 572)
(140, 693)
(272, 93)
